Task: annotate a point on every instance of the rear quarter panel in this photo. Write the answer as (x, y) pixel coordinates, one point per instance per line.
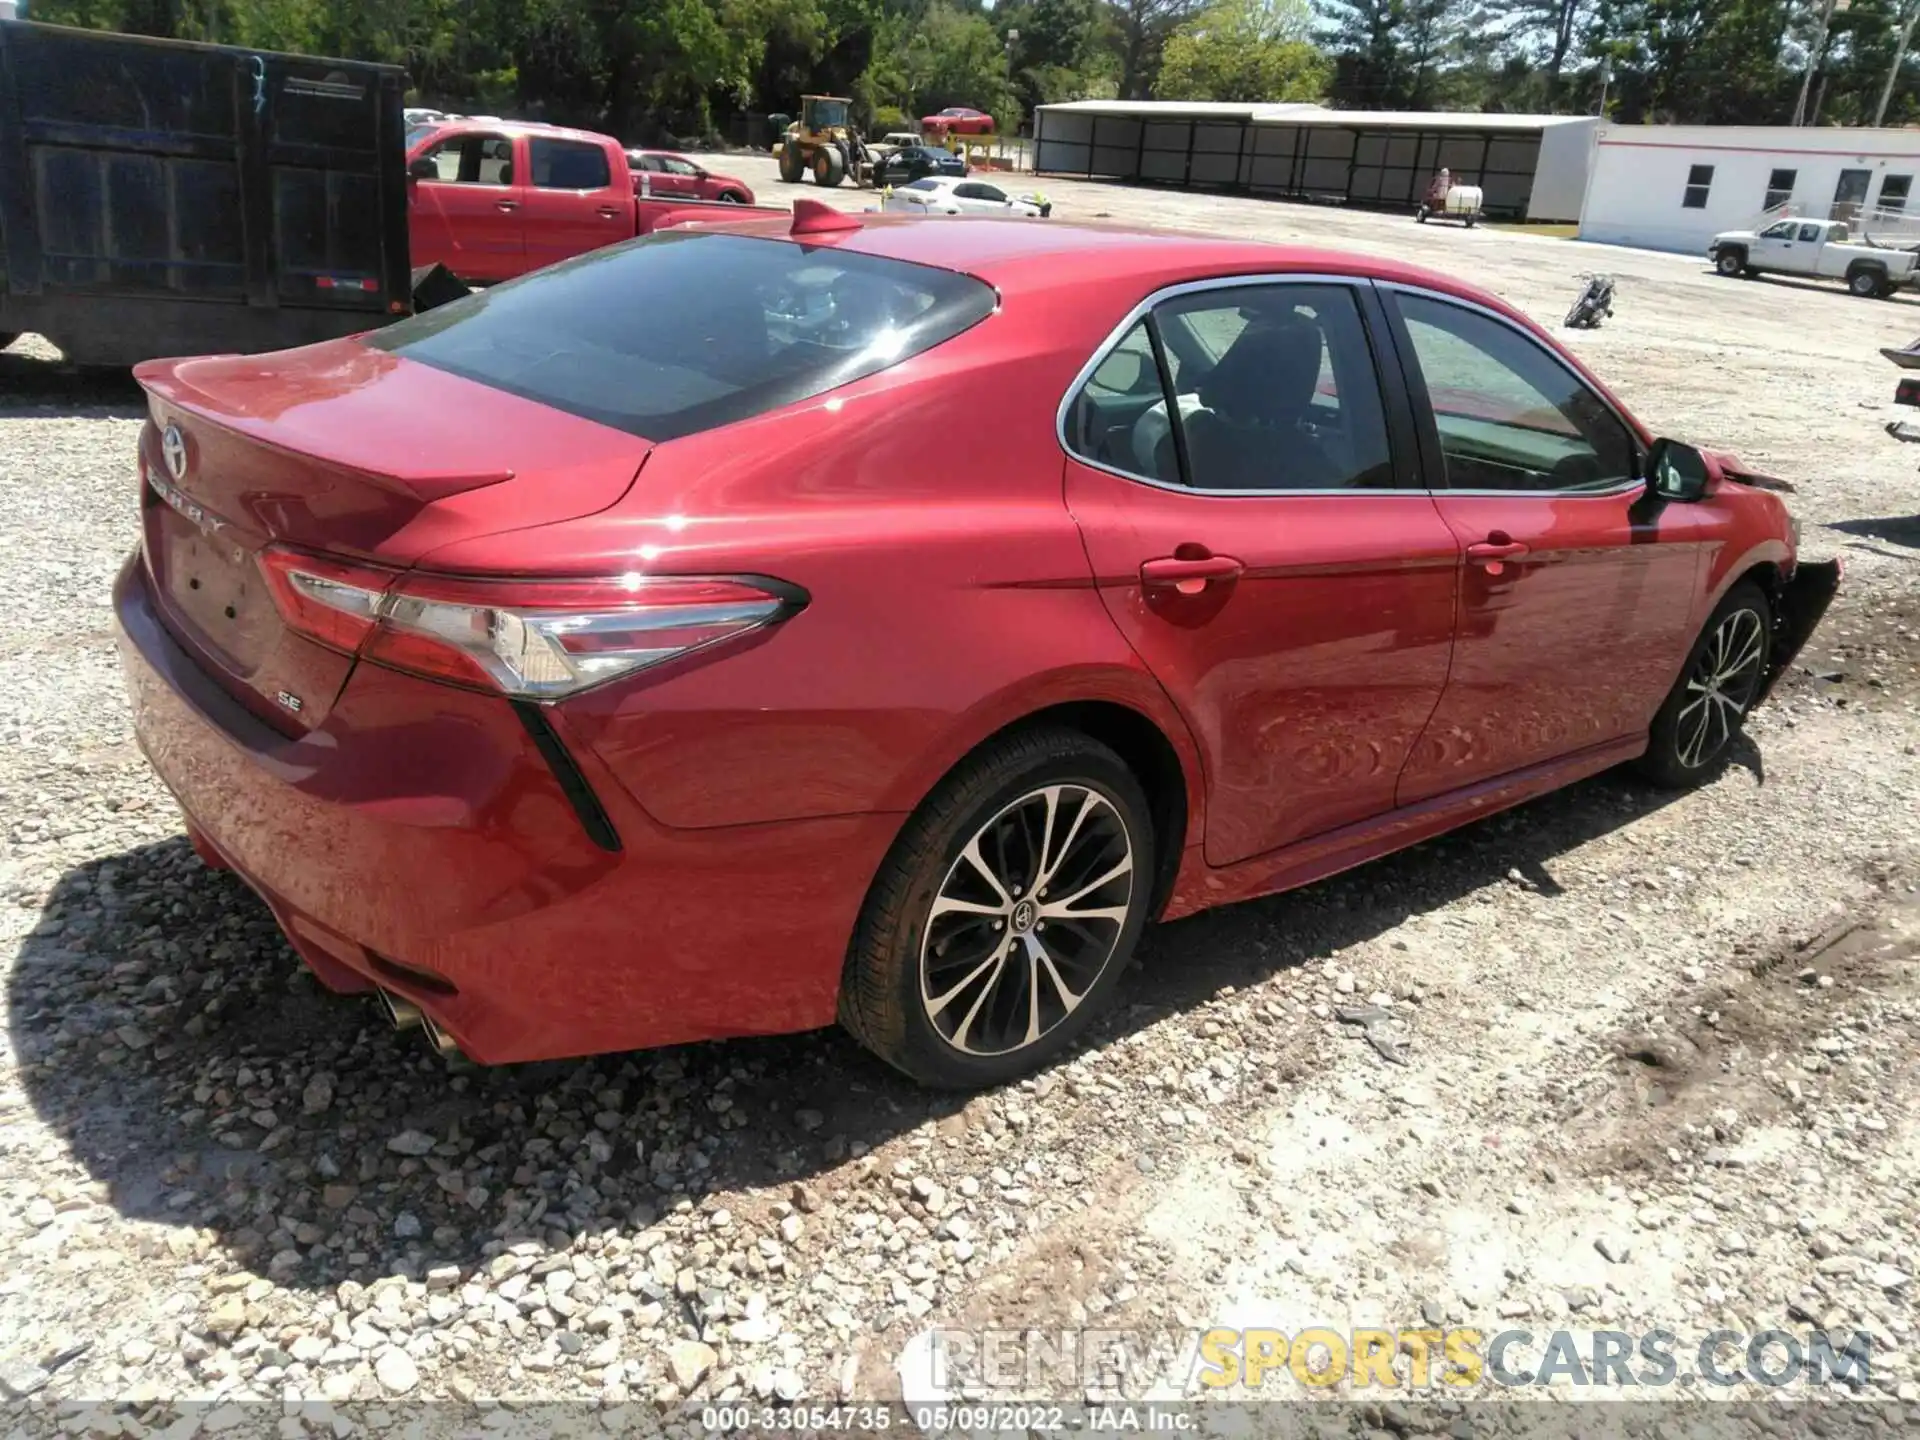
(951, 594)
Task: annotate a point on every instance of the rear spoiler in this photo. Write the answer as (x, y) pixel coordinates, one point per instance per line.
(167, 381)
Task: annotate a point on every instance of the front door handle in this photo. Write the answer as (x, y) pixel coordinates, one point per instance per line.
(1496, 550)
(506, 205)
(608, 212)
(1493, 553)
(1189, 576)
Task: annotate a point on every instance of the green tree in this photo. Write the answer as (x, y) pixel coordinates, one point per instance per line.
(1244, 50)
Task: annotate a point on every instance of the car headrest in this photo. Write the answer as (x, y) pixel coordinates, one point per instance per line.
(1271, 369)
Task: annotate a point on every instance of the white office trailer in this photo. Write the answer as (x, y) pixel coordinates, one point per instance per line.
(1674, 187)
(1531, 167)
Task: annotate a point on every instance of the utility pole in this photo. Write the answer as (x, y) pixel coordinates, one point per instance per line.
(1899, 57)
(1606, 79)
(1814, 58)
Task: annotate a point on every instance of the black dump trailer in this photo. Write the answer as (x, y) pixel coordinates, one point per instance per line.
(165, 198)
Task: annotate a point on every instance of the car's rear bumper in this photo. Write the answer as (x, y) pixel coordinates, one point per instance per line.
(419, 840)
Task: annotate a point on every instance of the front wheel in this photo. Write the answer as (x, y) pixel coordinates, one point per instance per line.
(1420, 215)
(792, 165)
(1694, 731)
(1730, 263)
(999, 925)
(731, 197)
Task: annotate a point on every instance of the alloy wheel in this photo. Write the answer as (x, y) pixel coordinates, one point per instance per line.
(1026, 920)
(1720, 687)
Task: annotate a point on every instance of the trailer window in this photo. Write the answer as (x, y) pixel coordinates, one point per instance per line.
(1780, 188)
(1699, 181)
(1893, 193)
(684, 331)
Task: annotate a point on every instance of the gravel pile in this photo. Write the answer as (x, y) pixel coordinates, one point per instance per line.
(1614, 1059)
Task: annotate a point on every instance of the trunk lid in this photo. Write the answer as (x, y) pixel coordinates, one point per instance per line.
(346, 450)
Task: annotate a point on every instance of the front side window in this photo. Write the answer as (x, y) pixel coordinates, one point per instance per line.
(1510, 416)
(685, 330)
(1277, 389)
(473, 160)
(680, 167)
(1782, 231)
(568, 165)
(1699, 181)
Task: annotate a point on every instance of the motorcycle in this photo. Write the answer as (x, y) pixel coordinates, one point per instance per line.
(1594, 305)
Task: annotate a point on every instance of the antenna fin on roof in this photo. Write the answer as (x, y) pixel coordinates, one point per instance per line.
(814, 217)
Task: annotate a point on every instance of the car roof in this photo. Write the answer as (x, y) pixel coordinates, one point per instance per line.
(524, 127)
(1016, 255)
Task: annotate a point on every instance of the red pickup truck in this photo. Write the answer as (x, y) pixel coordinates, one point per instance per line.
(493, 200)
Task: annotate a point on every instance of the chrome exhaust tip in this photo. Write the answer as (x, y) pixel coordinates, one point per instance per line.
(442, 1043)
(404, 1013)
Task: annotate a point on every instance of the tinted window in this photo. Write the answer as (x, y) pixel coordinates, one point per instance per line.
(568, 165)
(1699, 182)
(1809, 232)
(1893, 192)
(1779, 187)
(1277, 389)
(684, 331)
(922, 185)
(1511, 417)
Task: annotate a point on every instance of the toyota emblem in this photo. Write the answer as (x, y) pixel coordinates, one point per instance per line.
(173, 449)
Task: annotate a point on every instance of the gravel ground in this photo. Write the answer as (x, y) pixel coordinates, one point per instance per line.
(1641, 1060)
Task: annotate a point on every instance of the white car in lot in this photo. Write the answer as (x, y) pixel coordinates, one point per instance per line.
(961, 195)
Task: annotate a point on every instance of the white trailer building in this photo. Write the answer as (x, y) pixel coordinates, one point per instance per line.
(1674, 187)
(1531, 167)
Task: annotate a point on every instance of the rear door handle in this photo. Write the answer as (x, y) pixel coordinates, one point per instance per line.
(504, 205)
(1189, 577)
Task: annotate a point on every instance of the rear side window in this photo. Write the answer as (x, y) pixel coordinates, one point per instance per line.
(568, 165)
(684, 331)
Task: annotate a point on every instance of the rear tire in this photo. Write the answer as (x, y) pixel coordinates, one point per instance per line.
(828, 168)
(1867, 283)
(792, 165)
(963, 973)
(1695, 728)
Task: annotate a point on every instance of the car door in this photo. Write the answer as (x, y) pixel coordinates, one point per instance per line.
(1577, 588)
(469, 218)
(1774, 248)
(685, 176)
(1265, 546)
(572, 205)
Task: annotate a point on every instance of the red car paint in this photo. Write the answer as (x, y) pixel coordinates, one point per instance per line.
(504, 207)
(672, 176)
(956, 120)
(1358, 681)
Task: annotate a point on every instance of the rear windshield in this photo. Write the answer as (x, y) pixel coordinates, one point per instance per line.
(683, 331)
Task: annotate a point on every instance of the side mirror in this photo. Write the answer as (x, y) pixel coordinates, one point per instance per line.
(423, 169)
(1677, 472)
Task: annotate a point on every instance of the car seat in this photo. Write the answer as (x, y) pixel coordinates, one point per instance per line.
(1252, 431)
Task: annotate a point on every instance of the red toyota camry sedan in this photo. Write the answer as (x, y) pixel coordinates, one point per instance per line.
(861, 618)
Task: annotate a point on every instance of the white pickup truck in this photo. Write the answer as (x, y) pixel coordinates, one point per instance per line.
(1821, 248)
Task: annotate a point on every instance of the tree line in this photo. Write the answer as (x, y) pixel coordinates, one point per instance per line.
(696, 69)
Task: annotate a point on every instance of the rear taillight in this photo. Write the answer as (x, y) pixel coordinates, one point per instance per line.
(536, 639)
